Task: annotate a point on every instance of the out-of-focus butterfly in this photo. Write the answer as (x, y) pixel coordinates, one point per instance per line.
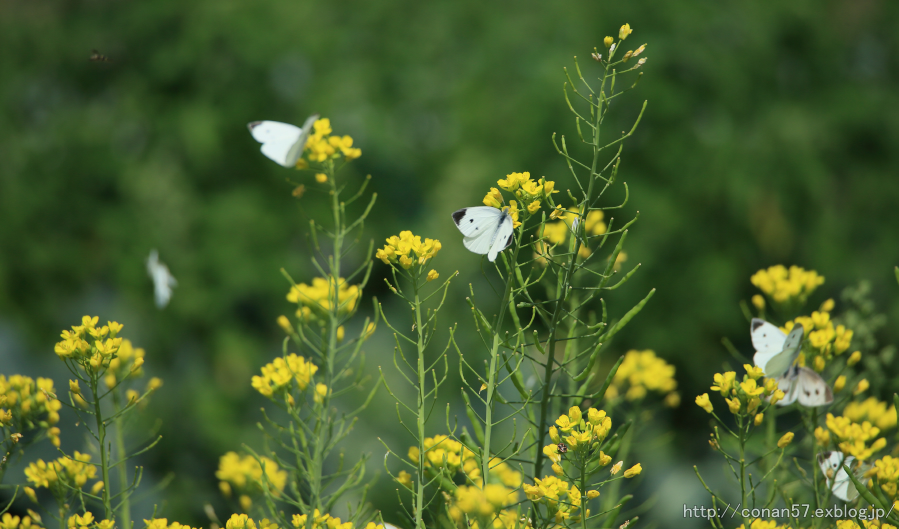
(282, 142)
(838, 481)
(486, 230)
(97, 57)
(775, 353)
(163, 281)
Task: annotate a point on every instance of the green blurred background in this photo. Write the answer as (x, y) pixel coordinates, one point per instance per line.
(770, 137)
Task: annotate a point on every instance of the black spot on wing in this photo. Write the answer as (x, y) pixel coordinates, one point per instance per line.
(457, 215)
(756, 323)
(253, 124)
(509, 241)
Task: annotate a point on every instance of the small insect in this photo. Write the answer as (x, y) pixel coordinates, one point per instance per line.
(282, 143)
(97, 57)
(563, 448)
(485, 230)
(163, 281)
(775, 353)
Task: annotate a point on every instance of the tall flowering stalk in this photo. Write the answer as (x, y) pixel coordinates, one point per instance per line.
(842, 449)
(551, 278)
(409, 258)
(296, 469)
(108, 365)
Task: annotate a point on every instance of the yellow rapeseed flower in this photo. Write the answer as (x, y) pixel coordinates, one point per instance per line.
(784, 285)
(872, 410)
(282, 372)
(633, 471)
(607, 41)
(624, 31)
(245, 474)
(758, 301)
(822, 436)
(432, 275)
(703, 402)
(641, 372)
(785, 440)
(407, 250)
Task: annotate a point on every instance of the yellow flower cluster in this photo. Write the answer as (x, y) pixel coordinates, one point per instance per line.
(407, 250)
(871, 410)
(471, 503)
(87, 521)
(886, 469)
(163, 523)
(580, 433)
(322, 146)
(74, 473)
(242, 521)
(742, 397)
(8, 521)
(445, 454)
(528, 192)
(128, 362)
(825, 339)
(853, 438)
(319, 521)
(90, 346)
(784, 285)
(316, 300)
(26, 404)
(641, 372)
(866, 524)
(561, 499)
(281, 372)
(763, 524)
(244, 475)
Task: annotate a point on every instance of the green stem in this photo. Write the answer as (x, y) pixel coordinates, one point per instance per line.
(562, 296)
(584, 498)
(125, 509)
(494, 357)
(420, 496)
(104, 454)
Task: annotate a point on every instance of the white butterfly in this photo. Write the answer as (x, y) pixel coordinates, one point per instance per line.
(282, 142)
(163, 281)
(838, 481)
(487, 230)
(776, 353)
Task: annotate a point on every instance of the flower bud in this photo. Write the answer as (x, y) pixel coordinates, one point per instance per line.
(785, 440)
(633, 471)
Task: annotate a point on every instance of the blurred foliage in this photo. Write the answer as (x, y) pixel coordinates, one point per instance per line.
(767, 140)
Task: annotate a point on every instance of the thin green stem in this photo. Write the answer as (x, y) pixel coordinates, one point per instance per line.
(494, 362)
(420, 496)
(104, 455)
(125, 507)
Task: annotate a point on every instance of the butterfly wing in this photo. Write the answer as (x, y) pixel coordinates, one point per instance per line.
(838, 481)
(503, 237)
(767, 340)
(475, 221)
(280, 141)
(163, 281)
(789, 384)
(775, 351)
(480, 242)
(783, 361)
(811, 390)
